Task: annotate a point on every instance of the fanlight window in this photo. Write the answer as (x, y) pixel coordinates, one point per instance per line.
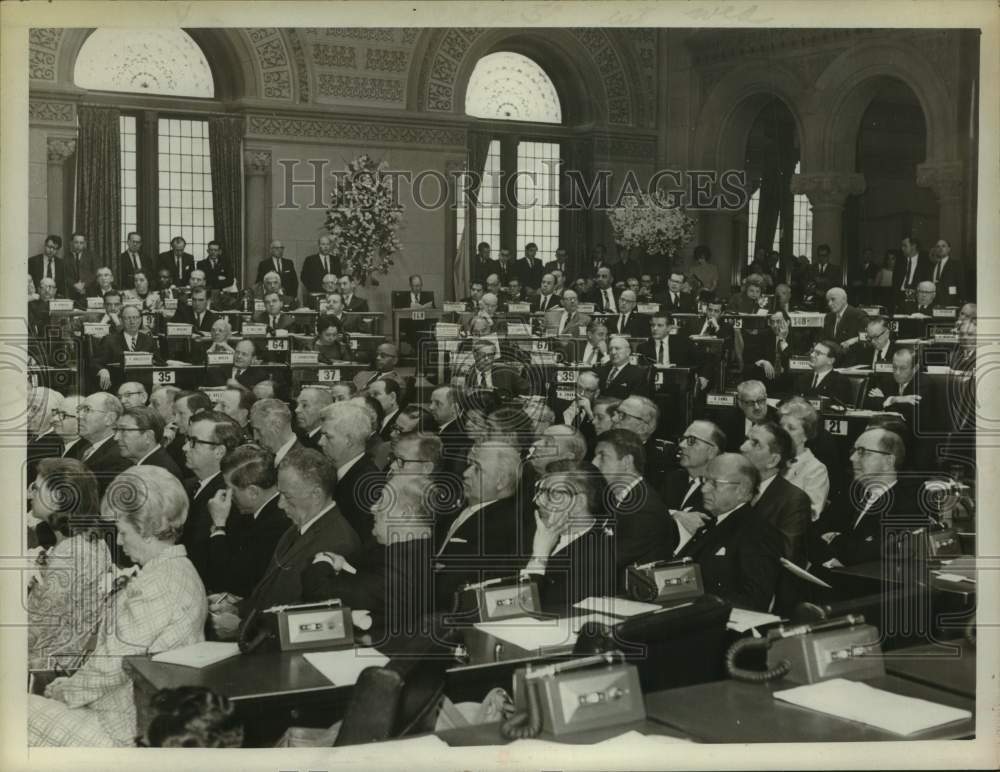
(510, 87)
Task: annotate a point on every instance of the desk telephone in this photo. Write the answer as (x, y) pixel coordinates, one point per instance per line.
(845, 647)
(665, 580)
(587, 693)
(302, 626)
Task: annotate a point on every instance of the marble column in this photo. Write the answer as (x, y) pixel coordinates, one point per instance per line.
(60, 149)
(827, 192)
(257, 174)
(947, 180)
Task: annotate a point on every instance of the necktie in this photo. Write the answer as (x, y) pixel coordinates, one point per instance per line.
(777, 356)
(545, 302)
(135, 262)
(613, 374)
(326, 265)
(937, 273)
(49, 269)
(416, 298)
(673, 298)
(87, 453)
(277, 265)
(563, 321)
(607, 299)
(274, 323)
(694, 485)
(659, 352)
(131, 344)
(374, 378)
(815, 380)
(836, 324)
(180, 268)
(593, 355)
(902, 389)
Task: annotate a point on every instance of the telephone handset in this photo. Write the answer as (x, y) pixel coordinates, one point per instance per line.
(845, 647)
(255, 633)
(582, 694)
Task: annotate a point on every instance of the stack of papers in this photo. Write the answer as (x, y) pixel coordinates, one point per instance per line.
(856, 701)
(533, 634)
(741, 619)
(198, 654)
(618, 607)
(341, 667)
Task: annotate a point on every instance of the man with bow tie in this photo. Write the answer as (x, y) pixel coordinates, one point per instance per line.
(737, 550)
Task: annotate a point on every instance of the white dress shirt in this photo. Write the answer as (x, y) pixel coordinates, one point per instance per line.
(346, 466)
(463, 516)
(280, 454)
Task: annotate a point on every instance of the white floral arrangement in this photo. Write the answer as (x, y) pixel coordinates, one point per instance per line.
(363, 218)
(650, 223)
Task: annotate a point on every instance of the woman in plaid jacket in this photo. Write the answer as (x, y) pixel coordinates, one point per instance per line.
(163, 608)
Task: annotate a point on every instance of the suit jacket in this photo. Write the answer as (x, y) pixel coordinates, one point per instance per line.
(82, 270)
(289, 278)
(529, 272)
(824, 276)
(504, 377)
(106, 463)
(834, 385)
(356, 304)
(644, 531)
(482, 268)
(455, 446)
(281, 582)
(185, 315)
(674, 488)
(788, 509)
(679, 350)
(584, 568)
(162, 459)
(403, 299)
(36, 268)
(865, 355)
(685, 303)
(308, 441)
(733, 423)
(250, 377)
(312, 271)
(600, 302)
(219, 277)
(111, 348)
(575, 321)
(126, 269)
(631, 379)
(739, 559)
(637, 325)
(237, 559)
(554, 301)
(168, 261)
(626, 269)
(922, 272)
(394, 582)
(765, 346)
(952, 277)
(285, 321)
(864, 542)
(853, 322)
(199, 523)
(356, 493)
(39, 446)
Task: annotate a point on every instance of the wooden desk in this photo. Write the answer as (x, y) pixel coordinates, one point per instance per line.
(876, 573)
(737, 712)
(489, 734)
(949, 666)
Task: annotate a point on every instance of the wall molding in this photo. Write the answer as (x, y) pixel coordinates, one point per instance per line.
(50, 111)
(270, 127)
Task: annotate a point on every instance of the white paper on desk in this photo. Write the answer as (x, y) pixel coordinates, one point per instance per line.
(198, 654)
(857, 701)
(532, 634)
(342, 667)
(803, 574)
(632, 740)
(953, 577)
(741, 619)
(618, 607)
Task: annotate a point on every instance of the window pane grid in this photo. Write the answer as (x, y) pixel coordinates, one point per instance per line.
(488, 210)
(127, 153)
(185, 198)
(538, 197)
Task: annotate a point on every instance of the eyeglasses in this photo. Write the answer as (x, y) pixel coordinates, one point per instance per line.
(874, 335)
(690, 440)
(126, 394)
(820, 352)
(754, 402)
(192, 441)
(86, 409)
(708, 481)
(393, 459)
(621, 415)
(862, 451)
(129, 429)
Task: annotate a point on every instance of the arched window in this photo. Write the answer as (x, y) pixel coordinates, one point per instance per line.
(802, 225)
(509, 87)
(166, 151)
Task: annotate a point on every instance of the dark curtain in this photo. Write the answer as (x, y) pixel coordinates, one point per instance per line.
(225, 137)
(478, 150)
(98, 182)
(775, 190)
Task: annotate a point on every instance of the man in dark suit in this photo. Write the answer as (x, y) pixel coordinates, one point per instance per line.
(625, 267)
(572, 544)
(245, 370)
(387, 392)
(139, 432)
(97, 416)
(823, 274)
(305, 493)
(218, 275)
(81, 266)
(628, 322)
(447, 412)
(309, 414)
(209, 436)
(529, 269)
(483, 542)
(197, 314)
(912, 269)
(667, 345)
(618, 377)
(482, 264)
(767, 357)
(274, 316)
(854, 528)
(270, 423)
(827, 382)
(242, 542)
(546, 299)
(487, 373)
(643, 531)
(352, 302)
(924, 301)
(603, 295)
(416, 297)
(843, 323)
(673, 301)
(319, 264)
(877, 349)
(111, 348)
(393, 576)
(49, 264)
(346, 429)
(681, 488)
(131, 260)
(948, 274)
(785, 506)
(899, 393)
(177, 261)
(751, 409)
(43, 441)
(282, 266)
(737, 550)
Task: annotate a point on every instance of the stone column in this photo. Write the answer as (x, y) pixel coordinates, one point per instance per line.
(827, 192)
(59, 150)
(257, 168)
(947, 180)
(716, 228)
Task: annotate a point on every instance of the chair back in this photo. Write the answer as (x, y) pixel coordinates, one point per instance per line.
(372, 712)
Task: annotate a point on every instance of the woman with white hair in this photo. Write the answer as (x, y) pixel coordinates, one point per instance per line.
(801, 421)
(162, 608)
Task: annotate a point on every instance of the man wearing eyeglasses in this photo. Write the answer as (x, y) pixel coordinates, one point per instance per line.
(209, 436)
(642, 416)
(138, 434)
(43, 441)
(67, 425)
(853, 529)
(271, 424)
(619, 378)
(826, 381)
(681, 489)
(844, 322)
(132, 394)
(751, 409)
(738, 550)
(97, 417)
(111, 349)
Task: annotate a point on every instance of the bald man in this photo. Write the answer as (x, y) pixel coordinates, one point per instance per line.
(281, 265)
(319, 264)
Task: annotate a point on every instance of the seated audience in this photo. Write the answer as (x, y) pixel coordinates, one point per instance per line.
(827, 382)
(139, 432)
(800, 419)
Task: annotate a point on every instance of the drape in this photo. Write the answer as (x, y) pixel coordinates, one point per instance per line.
(225, 137)
(775, 191)
(98, 182)
(477, 151)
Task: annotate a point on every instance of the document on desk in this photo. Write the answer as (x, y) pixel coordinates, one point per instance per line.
(618, 607)
(343, 666)
(741, 619)
(803, 574)
(198, 655)
(533, 634)
(858, 701)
